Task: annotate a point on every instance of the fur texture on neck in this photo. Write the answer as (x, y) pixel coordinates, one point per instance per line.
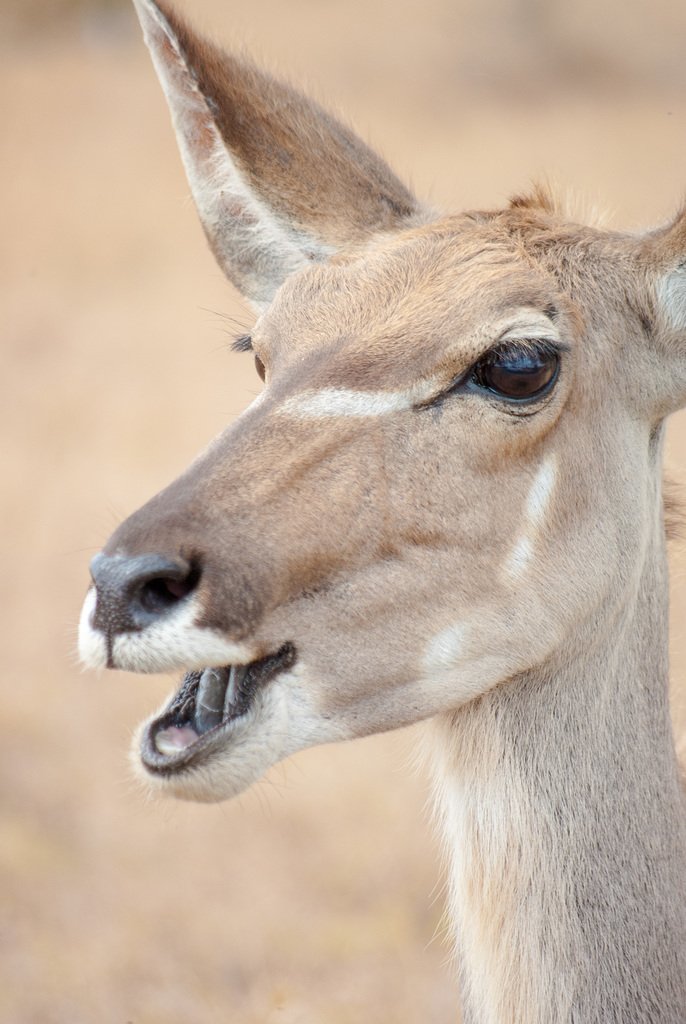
(562, 811)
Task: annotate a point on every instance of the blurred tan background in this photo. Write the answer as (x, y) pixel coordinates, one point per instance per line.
(314, 899)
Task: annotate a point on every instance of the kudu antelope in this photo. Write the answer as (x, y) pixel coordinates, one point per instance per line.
(446, 503)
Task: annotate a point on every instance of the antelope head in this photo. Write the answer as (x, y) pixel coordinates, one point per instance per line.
(451, 475)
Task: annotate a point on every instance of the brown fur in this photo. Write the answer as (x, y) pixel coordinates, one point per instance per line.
(427, 548)
(280, 147)
(675, 510)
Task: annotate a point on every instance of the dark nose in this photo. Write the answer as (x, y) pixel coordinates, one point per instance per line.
(131, 592)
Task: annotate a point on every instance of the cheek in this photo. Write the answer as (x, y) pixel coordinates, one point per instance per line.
(455, 509)
(461, 483)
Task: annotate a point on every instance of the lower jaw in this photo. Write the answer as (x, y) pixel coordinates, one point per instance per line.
(204, 713)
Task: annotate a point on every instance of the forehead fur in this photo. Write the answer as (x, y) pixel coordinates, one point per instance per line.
(523, 256)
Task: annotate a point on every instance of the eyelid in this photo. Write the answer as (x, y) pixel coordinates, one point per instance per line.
(530, 325)
(545, 344)
(528, 333)
(522, 336)
(523, 341)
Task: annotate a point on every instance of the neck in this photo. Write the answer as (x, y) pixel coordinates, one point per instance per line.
(563, 811)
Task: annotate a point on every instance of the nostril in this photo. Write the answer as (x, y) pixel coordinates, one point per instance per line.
(161, 593)
(132, 588)
(178, 588)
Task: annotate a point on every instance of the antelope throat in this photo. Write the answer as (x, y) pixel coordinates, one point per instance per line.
(208, 700)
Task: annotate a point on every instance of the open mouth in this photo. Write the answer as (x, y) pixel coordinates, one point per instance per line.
(207, 701)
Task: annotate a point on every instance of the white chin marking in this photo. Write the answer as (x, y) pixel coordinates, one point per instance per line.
(92, 644)
(173, 642)
(176, 643)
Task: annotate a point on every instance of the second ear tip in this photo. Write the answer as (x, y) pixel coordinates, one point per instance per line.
(151, 10)
(160, 25)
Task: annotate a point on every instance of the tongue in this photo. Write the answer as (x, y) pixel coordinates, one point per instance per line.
(175, 738)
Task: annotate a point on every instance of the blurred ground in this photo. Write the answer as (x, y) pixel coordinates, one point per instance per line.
(315, 898)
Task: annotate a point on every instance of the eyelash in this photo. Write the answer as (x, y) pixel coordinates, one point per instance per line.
(243, 343)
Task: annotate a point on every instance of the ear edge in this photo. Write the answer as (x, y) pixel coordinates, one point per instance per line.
(663, 257)
(285, 128)
(268, 153)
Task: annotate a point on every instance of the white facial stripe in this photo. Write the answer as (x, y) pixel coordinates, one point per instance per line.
(537, 503)
(459, 663)
(445, 650)
(540, 492)
(173, 642)
(341, 402)
(520, 556)
(346, 402)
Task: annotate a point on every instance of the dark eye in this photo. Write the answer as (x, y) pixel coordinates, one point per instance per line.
(259, 366)
(517, 371)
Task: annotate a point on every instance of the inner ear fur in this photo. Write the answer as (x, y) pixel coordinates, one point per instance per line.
(663, 255)
(277, 180)
(662, 262)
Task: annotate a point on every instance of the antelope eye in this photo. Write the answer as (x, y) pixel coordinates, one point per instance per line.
(259, 366)
(517, 372)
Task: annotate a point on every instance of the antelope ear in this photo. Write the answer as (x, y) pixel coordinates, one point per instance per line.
(277, 181)
(663, 255)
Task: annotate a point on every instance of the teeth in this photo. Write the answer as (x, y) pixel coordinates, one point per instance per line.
(233, 689)
(208, 699)
(209, 702)
(217, 698)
